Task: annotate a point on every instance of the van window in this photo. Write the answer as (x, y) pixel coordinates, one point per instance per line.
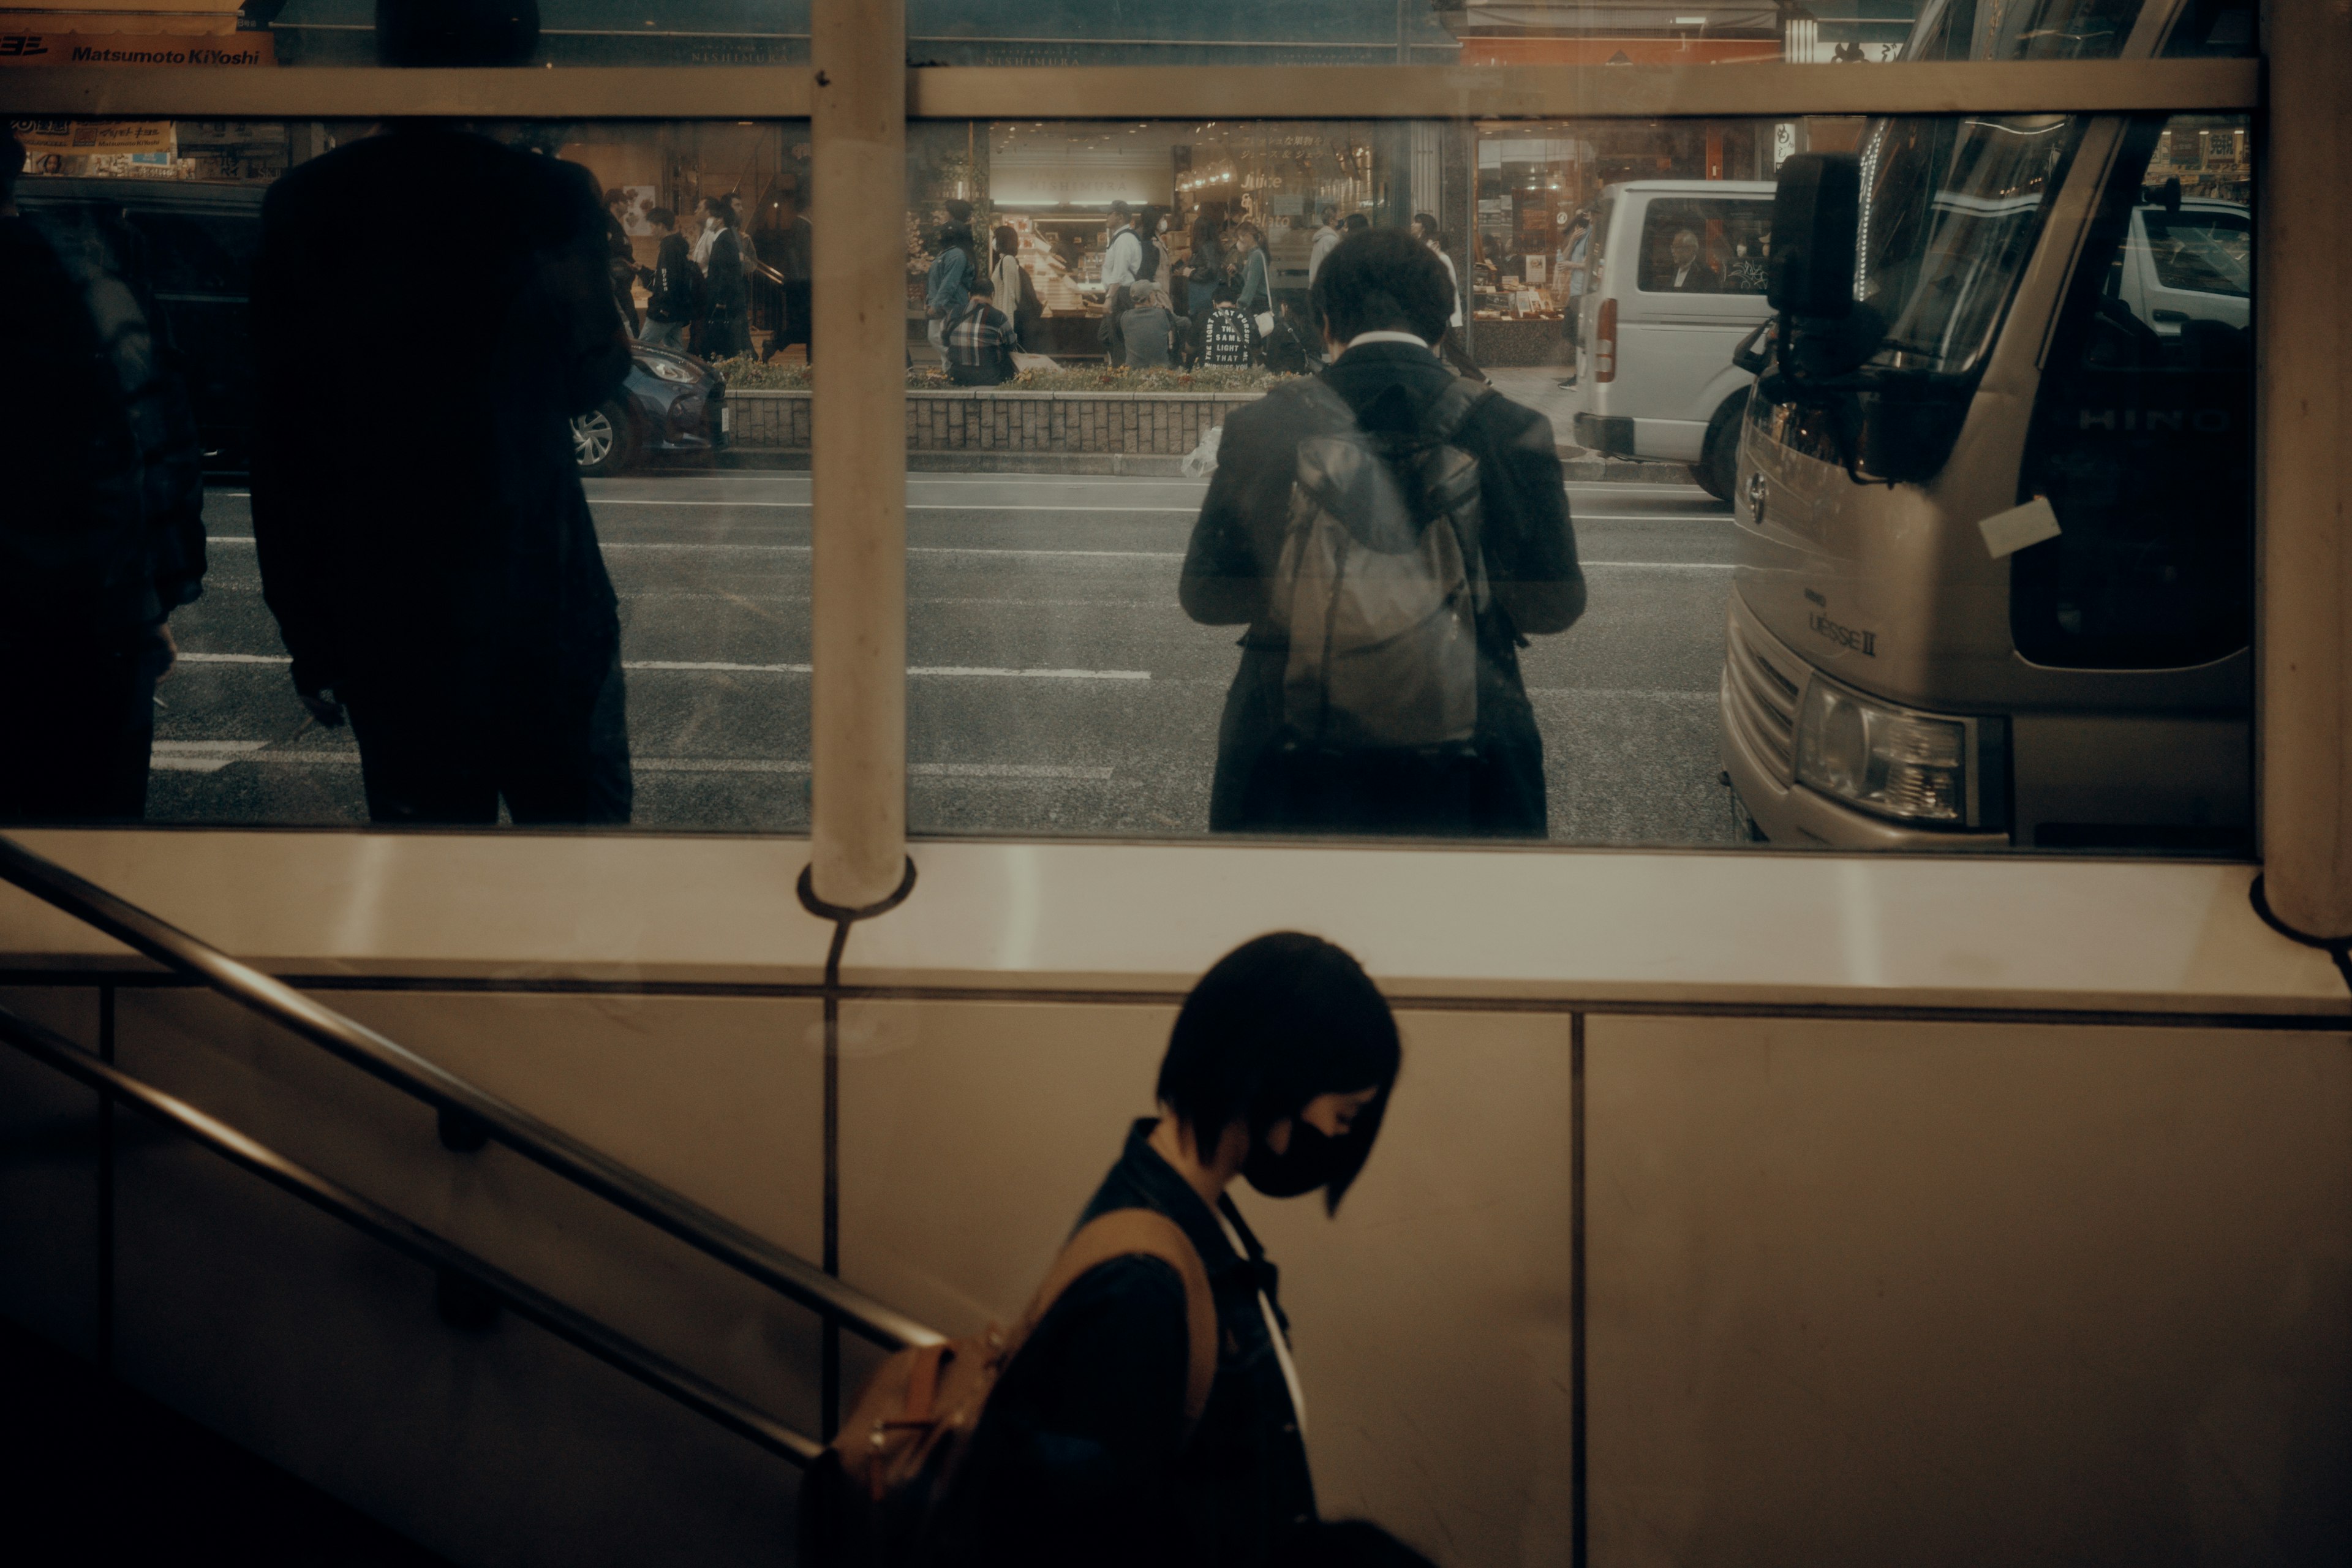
(2144, 438)
(2208, 250)
(1704, 246)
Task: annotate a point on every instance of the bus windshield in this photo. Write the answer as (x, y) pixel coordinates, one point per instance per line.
(1950, 210)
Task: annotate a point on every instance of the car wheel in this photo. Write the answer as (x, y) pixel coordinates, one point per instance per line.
(1717, 469)
(603, 440)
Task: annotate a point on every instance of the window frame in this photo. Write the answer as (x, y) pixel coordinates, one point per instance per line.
(855, 847)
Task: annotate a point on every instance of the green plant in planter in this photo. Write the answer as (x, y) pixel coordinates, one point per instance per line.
(745, 373)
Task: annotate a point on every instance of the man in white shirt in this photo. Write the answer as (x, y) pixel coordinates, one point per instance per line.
(1327, 239)
(1122, 259)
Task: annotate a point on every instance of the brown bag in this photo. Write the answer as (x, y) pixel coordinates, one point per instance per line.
(865, 1500)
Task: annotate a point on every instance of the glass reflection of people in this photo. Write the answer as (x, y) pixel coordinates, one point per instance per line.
(727, 290)
(101, 534)
(673, 284)
(1015, 295)
(1424, 229)
(625, 255)
(1283, 764)
(788, 246)
(450, 597)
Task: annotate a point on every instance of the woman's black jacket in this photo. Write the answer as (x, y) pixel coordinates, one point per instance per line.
(1081, 1455)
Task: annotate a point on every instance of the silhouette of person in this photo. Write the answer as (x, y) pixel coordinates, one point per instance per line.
(450, 594)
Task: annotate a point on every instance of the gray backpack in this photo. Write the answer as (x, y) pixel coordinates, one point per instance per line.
(1381, 581)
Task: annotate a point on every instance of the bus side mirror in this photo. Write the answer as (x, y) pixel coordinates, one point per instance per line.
(1816, 215)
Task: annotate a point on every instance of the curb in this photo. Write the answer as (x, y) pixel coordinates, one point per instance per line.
(1579, 465)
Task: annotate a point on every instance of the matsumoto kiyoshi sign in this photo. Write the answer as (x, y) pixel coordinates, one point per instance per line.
(186, 51)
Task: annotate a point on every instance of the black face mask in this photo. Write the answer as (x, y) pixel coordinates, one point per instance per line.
(1311, 1162)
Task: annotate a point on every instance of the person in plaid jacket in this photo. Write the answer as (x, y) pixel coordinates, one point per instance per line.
(981, 339)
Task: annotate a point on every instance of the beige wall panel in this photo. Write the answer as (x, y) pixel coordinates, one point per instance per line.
(719, 1099)
(48, 1176)
(1966, 1294)
(1431, 1316)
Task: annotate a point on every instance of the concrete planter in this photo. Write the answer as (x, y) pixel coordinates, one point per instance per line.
(1153, 424)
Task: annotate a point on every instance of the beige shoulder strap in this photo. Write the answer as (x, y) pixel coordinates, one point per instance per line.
(1123, 1233)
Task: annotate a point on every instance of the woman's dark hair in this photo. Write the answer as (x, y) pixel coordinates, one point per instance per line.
(1006, 240)
(1428, 226)
(661, 217)
(1204, 233)
(456, 32)
(1382, 280)
(1274, 1023)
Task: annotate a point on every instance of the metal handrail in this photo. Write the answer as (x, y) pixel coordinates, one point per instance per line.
(544, 1145)
(404, 1236)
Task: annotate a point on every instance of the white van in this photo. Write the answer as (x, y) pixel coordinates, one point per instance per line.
(1656, 334)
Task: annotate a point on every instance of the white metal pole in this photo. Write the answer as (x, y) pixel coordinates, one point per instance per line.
(858, 702)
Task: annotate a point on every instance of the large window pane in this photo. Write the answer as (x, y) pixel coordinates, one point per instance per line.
(1858, 610)
(430, 555)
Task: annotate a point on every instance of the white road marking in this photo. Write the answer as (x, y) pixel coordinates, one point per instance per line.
(1003, 673)
(211, 756)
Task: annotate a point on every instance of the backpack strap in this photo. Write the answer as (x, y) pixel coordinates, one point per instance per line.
(1124, 1233)
(1452, 407)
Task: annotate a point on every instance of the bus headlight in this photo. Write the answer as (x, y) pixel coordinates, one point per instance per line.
(1904, 764)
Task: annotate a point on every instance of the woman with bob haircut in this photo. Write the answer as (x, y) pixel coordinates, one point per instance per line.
(1278, 1072)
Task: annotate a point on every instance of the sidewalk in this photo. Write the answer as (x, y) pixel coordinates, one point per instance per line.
(1539, 387)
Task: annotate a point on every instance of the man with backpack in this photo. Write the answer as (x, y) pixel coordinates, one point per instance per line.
(1390, 532)
(675, 285)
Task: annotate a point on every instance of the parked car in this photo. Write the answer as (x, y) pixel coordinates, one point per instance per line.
(200, 241)
(1656, 330)
(671, 403)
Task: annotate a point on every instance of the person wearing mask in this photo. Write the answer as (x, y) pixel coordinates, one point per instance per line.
(1424, 229)
(1151, 332)
(1277, 1074)
(979, 344)
(1254, 294)
(457, 609)
(1227, 336)
(1122, 265)
(1327, 239)
(102, 531)
(624, 256)
(953, 270)
(675, 286)
(1016, 296)
(1287, 763)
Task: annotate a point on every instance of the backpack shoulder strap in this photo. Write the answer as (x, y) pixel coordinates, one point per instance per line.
(1124, 1233)
(1452, 409)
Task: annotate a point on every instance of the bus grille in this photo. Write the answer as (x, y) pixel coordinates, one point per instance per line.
(1763, 701)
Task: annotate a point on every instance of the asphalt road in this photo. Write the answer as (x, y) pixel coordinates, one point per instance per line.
(1054, 686)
